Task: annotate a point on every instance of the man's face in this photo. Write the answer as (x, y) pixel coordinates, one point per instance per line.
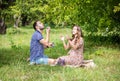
(40, 25)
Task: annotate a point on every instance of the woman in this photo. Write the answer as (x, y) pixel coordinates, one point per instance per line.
(76, 45)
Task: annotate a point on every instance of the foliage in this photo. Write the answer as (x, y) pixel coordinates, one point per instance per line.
(97, 17)
(28, 9)
(5, 8)
(117, 8)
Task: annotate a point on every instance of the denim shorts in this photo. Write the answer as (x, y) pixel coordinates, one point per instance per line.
(43, 60)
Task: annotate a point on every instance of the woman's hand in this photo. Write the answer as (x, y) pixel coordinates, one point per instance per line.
(66, 46)
(62, 38)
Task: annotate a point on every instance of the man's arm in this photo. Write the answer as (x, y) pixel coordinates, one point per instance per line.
(45, 42)
(47, 34)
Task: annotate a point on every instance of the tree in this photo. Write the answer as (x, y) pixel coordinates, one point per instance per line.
(95, 16)
(28, 10)
(4, 9)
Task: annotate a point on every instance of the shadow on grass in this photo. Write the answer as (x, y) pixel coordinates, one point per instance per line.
(95, 45)
(103, 40)
(13, 55)
(5, 57)
(18, 57)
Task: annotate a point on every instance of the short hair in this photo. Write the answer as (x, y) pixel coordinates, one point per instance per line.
(34, 24)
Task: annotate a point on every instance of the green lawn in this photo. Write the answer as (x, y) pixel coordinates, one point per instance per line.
(14, 50)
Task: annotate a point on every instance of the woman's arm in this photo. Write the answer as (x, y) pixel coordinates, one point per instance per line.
(77, 45)
(66, 46)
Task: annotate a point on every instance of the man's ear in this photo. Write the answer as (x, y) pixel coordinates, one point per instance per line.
(36, 27)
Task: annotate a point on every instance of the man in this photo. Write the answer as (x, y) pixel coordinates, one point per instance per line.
(38, 43)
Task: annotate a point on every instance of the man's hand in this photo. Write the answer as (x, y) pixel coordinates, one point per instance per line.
(51, 44)
(48, 30)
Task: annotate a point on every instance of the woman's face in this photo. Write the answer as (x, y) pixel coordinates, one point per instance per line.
(74, 31)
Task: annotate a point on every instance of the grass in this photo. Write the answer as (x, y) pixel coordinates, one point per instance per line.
(14, 50)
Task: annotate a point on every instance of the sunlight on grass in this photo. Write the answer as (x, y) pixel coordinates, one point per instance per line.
(14, 50)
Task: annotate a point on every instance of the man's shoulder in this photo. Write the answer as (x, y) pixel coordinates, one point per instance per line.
(37, 33)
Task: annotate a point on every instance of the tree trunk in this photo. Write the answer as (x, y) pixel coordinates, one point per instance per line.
(16, 21)
(3, 27)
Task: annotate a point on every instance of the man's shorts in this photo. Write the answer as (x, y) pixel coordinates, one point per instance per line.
(43, 60)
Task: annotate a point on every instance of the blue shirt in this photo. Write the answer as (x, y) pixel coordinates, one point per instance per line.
(36, 48)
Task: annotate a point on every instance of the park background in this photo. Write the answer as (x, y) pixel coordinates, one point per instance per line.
(98, 19)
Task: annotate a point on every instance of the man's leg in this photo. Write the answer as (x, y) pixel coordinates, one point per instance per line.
(51, 61)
